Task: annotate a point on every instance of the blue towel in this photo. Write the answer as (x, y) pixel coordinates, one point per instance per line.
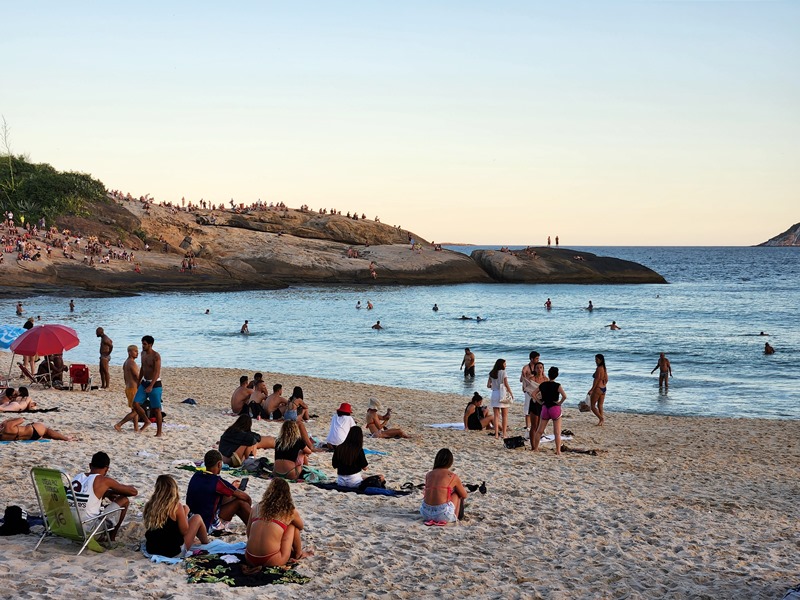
(16, 441)
(378, 452)
(213, 547)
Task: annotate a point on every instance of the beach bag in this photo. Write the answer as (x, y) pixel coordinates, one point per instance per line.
(514, 442)
(14, 522)
(584, 405)
(373, 481)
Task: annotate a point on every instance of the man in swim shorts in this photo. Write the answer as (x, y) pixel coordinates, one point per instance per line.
(468, 364)
(149, 385)
(665, 371)
(106, 346)
(275, 403)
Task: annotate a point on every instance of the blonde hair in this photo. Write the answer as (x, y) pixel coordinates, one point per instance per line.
(158, 508)
(276, 501)
(288, 436)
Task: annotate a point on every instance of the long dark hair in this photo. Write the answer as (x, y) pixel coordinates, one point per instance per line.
(350, 449)
(602, 360)
(498, 366)
(243, 423)
(297, 392)
(443, 460)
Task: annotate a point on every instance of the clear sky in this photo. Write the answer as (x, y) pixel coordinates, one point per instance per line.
(606, 123)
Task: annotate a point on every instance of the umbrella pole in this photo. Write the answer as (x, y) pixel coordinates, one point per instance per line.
(11, 366)
(49, 374)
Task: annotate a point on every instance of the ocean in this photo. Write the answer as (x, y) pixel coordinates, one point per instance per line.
(707, 319)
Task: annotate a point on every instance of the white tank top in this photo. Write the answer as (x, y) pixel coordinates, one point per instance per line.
(83, 487)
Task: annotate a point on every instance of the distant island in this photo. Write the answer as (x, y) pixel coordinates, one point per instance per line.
(790, 237)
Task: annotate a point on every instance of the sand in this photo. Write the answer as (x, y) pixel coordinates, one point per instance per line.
(671, 507)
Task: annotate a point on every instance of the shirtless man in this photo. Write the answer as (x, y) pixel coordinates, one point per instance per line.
(275, 403)
(768, 349)
(590, 308)
(130, 371)
(245, 329)
(106, 347)
(240, 396)
(255, 402)
(525, 378)
(468, 364)
(377, 325)
(548, 305)
(377, 423)
(665, 371)
(90, 489)
(149, 388)
(614, 326)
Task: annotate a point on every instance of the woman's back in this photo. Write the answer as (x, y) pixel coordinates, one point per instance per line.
(439, 485)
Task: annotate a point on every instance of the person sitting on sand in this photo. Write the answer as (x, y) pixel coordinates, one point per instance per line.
(275, 403)
(548, 395)
(296, 408)
(475, 417)
(349, 460)
(12, 430)
(341, 423)
(239, 441)
(90, 489)
(768, 349)
(376, 424)
(256, 402)
(213, 498)
(273, 530)
(19, 401)
(169, 530)
(444, 497)
(240, 397)
(290, 452)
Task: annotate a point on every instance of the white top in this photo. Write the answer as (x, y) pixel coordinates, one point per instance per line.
(497, 384)
(340, 427)
(83, 487)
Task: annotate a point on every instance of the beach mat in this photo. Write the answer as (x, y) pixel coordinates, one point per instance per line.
(211, 568)
(370, 491)
(448, 426)
(25, 441)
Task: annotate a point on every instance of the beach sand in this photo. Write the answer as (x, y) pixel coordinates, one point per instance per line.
(671, 507)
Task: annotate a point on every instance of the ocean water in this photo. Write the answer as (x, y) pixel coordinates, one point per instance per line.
(707, 320)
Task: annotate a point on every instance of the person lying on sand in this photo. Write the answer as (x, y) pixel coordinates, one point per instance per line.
(377, 423)
(13, 401)
(13, 430)
(273, 530)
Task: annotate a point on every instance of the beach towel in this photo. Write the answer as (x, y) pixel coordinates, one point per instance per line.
(211, 568)
(237, 472)
(377, 452)
(370, 491)
(213, 547)
(552, 438)
(25, 441)
(34, 410)
(448, 426)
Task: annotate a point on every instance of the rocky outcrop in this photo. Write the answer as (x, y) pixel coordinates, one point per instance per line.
(269, 249)
(560, 265)
(790, 237)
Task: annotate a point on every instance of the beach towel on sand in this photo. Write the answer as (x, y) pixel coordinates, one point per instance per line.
(25, 441)
(211, 568)
(370, 491)
(447, 426)
(213, 547)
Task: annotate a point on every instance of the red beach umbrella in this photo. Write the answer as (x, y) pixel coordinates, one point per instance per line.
(44, 340)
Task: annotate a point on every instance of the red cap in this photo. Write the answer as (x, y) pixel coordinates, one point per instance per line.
(346, 408)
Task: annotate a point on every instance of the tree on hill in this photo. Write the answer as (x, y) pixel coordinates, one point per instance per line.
(35, 190)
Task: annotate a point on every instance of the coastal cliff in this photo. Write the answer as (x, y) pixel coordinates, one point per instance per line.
(790, 237)
(272, 248)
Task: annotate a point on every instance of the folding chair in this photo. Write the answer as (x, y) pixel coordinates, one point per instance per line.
(62, 514)
(42, 380)
(79, 374)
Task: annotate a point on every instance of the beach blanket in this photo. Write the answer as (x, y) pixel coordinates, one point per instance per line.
(552, 438)
(33, 410)
(370, 491)
(448, 426)
(213, 547)
(25, 441)
(216, 568)
(377, 452)
(233, 472)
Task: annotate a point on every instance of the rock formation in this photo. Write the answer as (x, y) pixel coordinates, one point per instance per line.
(790, 237)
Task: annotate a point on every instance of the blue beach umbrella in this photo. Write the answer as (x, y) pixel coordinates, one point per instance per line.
(8, 333)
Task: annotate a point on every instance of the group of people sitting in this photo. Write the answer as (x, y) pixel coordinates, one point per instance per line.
(252, 398)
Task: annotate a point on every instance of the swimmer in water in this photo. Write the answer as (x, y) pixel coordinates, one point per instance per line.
(590, 308)
(377, 325)
(435, 308)
(245, 329)
(548, 305)
(614, 326)
(768, 349)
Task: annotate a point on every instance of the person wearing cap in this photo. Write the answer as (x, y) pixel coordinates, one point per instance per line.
(341, 423)
(377, 423)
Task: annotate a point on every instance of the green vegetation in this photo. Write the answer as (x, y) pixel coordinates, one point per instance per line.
(38, 190)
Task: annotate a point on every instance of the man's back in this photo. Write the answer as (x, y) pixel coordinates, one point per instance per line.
(202, 495)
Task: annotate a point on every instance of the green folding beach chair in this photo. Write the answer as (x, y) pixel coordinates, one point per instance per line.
(62, 515)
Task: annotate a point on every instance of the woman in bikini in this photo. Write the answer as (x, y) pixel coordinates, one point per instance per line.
(12, 430)
(17, 402)
(273, 531)
(290, 452)
(296, 408)
(377, 423)
(168, 528)
(597, 393)
(444, 494)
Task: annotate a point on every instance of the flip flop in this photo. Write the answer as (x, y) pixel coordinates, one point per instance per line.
(430, 522)
(440, 523)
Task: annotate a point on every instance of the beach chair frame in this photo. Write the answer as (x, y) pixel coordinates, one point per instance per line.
(62, 515)
(81, 375)
(41, 380)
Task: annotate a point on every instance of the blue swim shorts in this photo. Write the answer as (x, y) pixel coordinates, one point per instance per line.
(154, 396)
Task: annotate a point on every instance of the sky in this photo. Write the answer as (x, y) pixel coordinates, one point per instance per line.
(606, 123)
